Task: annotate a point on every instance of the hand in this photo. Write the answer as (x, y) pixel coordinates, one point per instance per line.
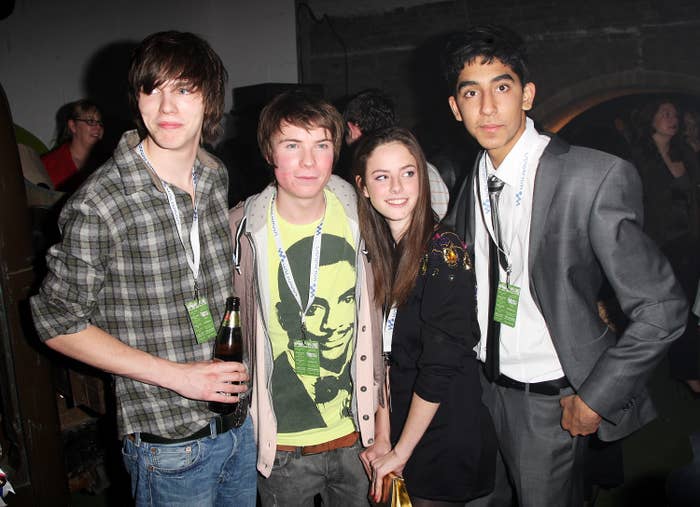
(390, 462)
(378, 449)
(578, 418)
(210, 380)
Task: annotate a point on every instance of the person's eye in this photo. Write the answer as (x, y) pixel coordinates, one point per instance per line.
(503, 87)
(324, 145)
(409, 173)
(469, 94)
(184, 90)
(380, 177)
(291, 146)
(349, 299)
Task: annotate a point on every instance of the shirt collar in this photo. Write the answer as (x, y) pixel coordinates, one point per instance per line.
(136, 175)
(509, 170)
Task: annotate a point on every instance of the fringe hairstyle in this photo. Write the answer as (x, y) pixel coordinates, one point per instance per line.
(300, 108)
(395, 267)
(179, 56)
(484, 44)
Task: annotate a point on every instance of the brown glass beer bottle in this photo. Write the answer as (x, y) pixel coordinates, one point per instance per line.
(228, 346)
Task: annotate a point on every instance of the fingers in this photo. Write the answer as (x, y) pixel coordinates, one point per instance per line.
(365, 460)
(229, 389)
(376, 486)
(230, 367)
(211, 380)
(238, 378)
(224, 398)
(565, 400)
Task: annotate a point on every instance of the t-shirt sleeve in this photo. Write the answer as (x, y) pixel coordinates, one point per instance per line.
(446, 315)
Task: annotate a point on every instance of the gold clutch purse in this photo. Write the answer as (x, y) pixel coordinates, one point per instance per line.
(394, 493)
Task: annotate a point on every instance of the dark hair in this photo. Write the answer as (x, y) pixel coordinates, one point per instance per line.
(72, 111)
(395, 268)
(645, 130)
(334, 249)
(302, 109)
(489, 43)
(179, 56)
(371, 110)
(693, 113)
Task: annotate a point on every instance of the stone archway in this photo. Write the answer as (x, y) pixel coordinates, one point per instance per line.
(555, 111)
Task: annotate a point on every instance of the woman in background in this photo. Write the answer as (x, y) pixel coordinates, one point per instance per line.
(691, 131)
(434, 431)
(78, 133)
(670, 176)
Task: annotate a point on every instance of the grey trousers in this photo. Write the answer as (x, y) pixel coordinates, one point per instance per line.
(338, 476)
(539, 464)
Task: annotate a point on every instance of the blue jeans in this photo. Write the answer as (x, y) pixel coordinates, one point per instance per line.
(337, 475)
(218, 470)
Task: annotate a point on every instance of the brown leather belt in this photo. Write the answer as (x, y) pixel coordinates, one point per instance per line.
(338, 443)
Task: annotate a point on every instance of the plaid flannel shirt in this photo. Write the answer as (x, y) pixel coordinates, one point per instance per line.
(122, 267)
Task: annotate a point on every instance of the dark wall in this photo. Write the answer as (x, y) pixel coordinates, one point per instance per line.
(582, 52)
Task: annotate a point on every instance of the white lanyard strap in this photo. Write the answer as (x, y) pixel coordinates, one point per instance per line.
(193, 260)
(388, 330)
(505, 245)
(287, 269)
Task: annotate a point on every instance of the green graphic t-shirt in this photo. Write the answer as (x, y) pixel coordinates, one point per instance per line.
(311, 385)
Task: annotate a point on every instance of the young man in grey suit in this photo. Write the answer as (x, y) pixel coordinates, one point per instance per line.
(547, 223)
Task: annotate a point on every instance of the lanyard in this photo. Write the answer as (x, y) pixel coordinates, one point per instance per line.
(193, 261)
(388, 329)
(287, 269)
(486, 209)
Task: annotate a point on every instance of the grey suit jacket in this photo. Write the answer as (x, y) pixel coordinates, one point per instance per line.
(587, 226)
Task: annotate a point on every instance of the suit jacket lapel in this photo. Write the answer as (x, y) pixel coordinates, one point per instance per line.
(546, 180)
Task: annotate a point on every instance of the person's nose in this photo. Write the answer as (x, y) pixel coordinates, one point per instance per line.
(167, 102)
(488, 104)
(308, 159)
(396, 186)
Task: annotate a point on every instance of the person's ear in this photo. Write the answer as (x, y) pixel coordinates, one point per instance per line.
(361, 186)
(354, 132)
(453, 106)
(72, 126)
(528, 96)
(282, 316)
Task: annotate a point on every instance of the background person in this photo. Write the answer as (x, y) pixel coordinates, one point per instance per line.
(691, 131)
(372, 110)
(670, 177)
(80, 128)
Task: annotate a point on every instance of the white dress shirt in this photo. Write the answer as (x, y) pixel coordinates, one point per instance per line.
(526, 351)
(439, 194)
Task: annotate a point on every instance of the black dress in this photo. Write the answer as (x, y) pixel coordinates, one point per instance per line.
(432, 355)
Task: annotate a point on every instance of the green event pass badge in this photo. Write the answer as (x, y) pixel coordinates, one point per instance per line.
(307, 358)
(201, 320)
(507, 299)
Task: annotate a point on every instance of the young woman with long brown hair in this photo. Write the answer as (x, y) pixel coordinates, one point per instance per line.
(434, 430)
